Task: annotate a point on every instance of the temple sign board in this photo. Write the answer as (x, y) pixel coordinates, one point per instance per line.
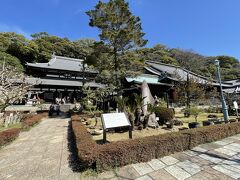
(115, 120)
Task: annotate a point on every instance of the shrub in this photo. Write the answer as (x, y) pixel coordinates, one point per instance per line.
(85, 144)
(193, 111)
(103, 157)
(8, 135)
(31, 120)
(164, 114)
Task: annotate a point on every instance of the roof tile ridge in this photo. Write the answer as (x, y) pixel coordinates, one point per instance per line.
(68, 58)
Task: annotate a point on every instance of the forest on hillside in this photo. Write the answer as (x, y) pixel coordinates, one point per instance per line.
(17, 50)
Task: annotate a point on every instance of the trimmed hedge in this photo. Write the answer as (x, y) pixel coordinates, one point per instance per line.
(84, 142)
(104, 157)
(31, 120)
(8, 135)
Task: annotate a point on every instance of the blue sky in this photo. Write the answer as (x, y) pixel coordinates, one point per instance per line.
(209, 27)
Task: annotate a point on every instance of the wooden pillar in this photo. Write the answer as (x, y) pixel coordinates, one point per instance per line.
(104, 136)
(130, 132)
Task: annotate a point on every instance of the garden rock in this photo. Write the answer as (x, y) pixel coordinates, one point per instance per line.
(152, 122)
(177, 122)
(212, 116)
(96, 132)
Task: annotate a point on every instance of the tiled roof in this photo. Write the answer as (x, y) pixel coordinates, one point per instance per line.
(62, 82)
(150, 79)
(62, 63)
(172, 72)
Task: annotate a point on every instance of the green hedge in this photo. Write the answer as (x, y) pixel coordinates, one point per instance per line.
(115, 154)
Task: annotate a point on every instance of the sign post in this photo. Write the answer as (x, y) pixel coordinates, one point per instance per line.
(114, 120)
(236, 106)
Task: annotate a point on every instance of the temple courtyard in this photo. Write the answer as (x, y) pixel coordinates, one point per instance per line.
(44, 152)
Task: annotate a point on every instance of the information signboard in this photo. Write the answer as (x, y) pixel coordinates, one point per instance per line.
(115, 120)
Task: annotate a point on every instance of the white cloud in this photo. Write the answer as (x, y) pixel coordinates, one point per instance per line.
(14, 28)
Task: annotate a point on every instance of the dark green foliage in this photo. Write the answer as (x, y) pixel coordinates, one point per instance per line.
(115, 154)
(164, 114)
(120, 31)
(18, 46)
(116, 50)
(10, 61)
(48, 45)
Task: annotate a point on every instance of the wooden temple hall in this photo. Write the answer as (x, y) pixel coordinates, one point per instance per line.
(61, 77)
(161, 79)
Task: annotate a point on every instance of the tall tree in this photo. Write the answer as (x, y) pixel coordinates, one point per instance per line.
(120, 30)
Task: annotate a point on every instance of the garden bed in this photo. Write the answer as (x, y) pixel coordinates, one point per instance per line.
(114, 154)
(31, 120)
(8, 135)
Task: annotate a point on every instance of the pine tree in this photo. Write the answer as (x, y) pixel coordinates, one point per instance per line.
(119, 29)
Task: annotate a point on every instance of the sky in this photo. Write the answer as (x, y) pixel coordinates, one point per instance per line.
(208, 27)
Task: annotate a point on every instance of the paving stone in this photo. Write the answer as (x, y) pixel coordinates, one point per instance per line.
(161, 175)
(209, 175)
(228, 140)
(199, 149)
(232, 163)
(226, 151)
(107, 175)
(169, 160)
(72, 176)
(191, 153)
(236, 137)
(218, 155)
(228, 170)
(142, 168)
(181, 156)
(200, 161)
(210, 146)
(127, 172)
(216, 173)
(231, 147)
(210, 158)
(144, 178)
(156, 164)
(235, 145)
(189, 166)
(177, 172)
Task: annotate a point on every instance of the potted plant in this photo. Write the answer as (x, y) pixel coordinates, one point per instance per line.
(194, 111)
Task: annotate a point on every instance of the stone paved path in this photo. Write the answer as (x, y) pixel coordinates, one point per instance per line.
(42, 153)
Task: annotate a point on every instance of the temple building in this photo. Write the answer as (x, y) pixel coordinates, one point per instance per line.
(161, 79)
(60, 77)
(64, 77)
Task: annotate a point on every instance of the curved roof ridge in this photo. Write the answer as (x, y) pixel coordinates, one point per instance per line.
(67, 58)
(175, 66)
